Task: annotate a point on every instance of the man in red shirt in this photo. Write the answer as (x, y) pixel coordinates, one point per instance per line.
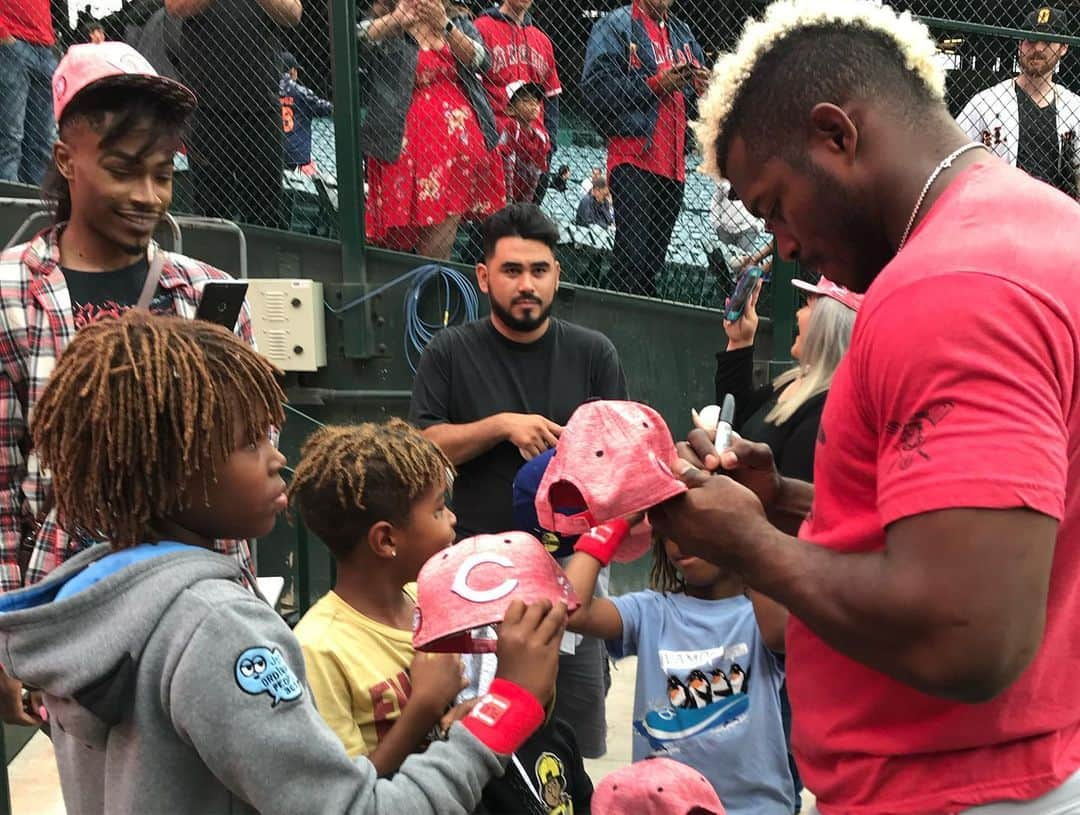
(520, 52)
(933, 570)
(27, 63)
(642, 70)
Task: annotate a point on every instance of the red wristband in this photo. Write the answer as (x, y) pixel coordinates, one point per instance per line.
(504, 717)
(602, 541)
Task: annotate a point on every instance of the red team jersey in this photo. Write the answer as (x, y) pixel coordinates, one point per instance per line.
(978, 406)
(517, 53)
(524, 149)
(666, 155)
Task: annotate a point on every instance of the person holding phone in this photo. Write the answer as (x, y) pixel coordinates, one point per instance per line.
(785, 413)
(111, 183)
(643, 72)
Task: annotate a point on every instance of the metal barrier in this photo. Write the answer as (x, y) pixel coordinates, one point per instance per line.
(39, 218)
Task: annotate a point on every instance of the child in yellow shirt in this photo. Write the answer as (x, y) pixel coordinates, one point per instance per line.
(375, 495)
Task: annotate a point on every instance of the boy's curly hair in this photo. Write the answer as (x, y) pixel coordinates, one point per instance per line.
(135, 407)
(351, 477)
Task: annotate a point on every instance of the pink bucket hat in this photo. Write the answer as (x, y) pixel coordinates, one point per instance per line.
(613, 459)
(826, 288)
(656, 786)
(116, 64)
(471, 584)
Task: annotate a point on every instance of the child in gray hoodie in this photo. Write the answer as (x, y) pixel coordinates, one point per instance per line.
(169, 685)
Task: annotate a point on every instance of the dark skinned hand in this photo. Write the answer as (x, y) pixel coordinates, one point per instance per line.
(717, 519)
(749, 463)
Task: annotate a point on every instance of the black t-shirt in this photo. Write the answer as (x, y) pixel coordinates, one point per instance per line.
(470, 372)
(547, 778)
(230, 56)
(95, 295)
(1038, 152)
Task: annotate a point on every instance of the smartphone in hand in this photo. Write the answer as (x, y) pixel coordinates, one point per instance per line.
(221, 302)
(736, 304)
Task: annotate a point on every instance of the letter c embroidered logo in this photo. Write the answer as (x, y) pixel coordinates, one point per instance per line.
(461, 579)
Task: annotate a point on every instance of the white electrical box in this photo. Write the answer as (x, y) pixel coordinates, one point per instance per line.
(288, 316)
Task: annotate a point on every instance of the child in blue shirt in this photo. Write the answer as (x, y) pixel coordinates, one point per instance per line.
(708, 675)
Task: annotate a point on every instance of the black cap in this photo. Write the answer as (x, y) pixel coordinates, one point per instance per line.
(1050, 20)
(288, 61)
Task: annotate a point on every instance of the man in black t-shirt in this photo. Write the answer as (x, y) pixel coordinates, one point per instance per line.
(229, 57)
(496, 391)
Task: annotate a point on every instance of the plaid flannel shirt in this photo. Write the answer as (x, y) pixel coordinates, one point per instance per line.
(36, 325)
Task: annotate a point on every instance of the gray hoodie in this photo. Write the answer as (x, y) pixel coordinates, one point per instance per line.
(172, 688)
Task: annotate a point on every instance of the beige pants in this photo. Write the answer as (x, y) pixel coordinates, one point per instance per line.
(1065, 800)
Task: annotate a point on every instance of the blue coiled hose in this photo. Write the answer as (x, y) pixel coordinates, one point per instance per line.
(460, 303)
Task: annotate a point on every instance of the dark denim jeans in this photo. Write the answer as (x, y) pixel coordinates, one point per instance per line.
(26, 111)
(646, 206)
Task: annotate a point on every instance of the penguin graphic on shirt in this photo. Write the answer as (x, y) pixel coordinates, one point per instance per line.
(677, 693)
(700, 689)
(721, 687)
(737, 678)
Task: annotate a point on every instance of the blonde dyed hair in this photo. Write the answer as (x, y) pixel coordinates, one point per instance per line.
(827, 339)
(732, 71)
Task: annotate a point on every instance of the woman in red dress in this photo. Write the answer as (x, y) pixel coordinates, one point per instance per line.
(428, 130)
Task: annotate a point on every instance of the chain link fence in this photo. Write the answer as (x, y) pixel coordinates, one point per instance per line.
(578, 105)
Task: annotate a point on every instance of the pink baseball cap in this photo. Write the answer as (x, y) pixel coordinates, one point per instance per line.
(826, 288)
(613, 459)
(115, 64)
(656, 786)
(471, 584)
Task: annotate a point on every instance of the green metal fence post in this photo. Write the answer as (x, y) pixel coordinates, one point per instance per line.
(356, 322)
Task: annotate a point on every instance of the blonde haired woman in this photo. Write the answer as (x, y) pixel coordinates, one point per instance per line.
(785, 414)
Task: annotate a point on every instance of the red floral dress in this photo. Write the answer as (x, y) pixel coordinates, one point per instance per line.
(444, 169)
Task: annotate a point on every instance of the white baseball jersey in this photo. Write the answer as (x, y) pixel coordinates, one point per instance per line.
(992, 117)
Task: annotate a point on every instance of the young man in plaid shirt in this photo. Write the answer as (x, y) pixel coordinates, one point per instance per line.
(119, 126)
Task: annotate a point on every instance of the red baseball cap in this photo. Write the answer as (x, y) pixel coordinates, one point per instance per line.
(656, 786)
(471, 584)
(826, 288)
(115, 64)
(613, 459)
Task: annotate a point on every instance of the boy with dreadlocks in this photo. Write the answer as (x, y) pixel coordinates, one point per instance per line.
(376, 496)
(170, 685)
(708, 675)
